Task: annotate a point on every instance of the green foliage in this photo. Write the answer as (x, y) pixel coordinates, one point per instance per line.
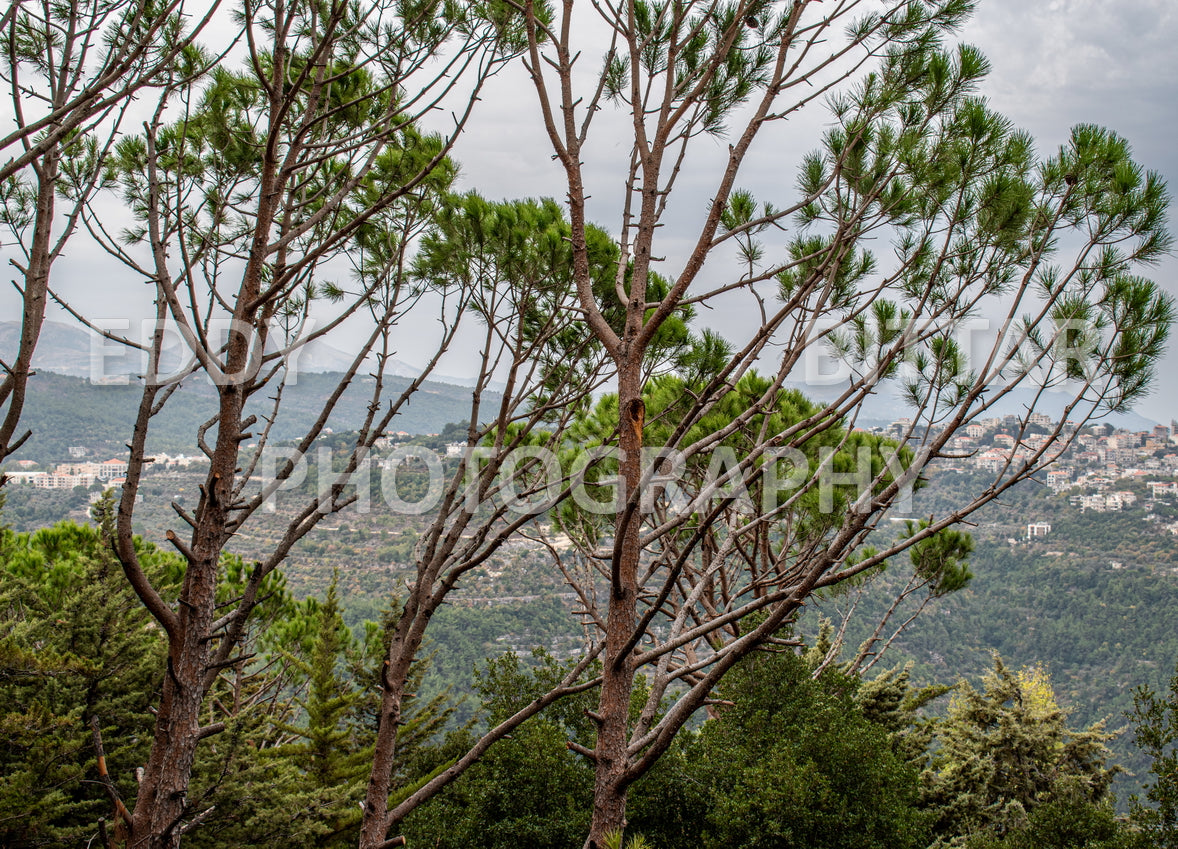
(326, 747)
(856, 456)
(528, 790)
(1155, 719)
(978, 215)
(294, 768)
(617, 840)
(516, 259)
(74, 644)
(891, 701)
(940, 558)
(1005, 751)
(1070, 821)
(789, 761)
(29, 508)
(291, 761)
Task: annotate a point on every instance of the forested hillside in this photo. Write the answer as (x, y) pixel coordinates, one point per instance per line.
(63, 411)
(817, 759)
(1092, 603)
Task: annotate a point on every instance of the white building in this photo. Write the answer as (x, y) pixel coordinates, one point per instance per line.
(1038, 529)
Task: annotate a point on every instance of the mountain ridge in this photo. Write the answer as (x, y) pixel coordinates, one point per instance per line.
(64, 411)
(67, 407)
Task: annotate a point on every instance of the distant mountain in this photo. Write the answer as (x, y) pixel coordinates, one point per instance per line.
(61, 348)
(64, 411)
(77, 351)
(66, 408)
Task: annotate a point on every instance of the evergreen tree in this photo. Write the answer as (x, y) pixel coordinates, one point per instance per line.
(1004, 752)
(794, 761)
(1155, 718)
(529, 790)
(1069, 821)
(913, 156)
(291, 771)
(74, 645)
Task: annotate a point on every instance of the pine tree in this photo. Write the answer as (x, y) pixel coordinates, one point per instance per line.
(796, 761)
(288, 769)
(74, 645)
(1155, 718)
(1005, 751)
(292, 769)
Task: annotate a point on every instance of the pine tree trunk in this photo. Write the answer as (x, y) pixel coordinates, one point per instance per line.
(611, 780)
(609, 791)
(14, 386)
(373, 826)
(403, 648)
(162, 801)
(161, 805)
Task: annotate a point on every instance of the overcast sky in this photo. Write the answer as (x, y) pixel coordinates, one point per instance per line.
(1055, 64)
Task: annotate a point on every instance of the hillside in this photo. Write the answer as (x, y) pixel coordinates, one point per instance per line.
(1093, 602)
(64, 411)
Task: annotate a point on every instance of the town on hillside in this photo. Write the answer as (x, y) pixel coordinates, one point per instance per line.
(77, 472)
(1099, 458)
(1093, 471)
